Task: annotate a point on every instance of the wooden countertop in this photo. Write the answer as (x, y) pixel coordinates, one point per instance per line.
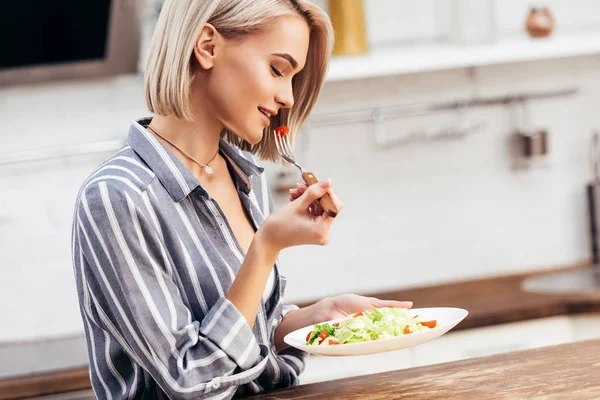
(497, 300)
(567, 371)
(489, 301)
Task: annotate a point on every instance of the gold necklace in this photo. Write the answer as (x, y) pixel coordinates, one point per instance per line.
(206, 166)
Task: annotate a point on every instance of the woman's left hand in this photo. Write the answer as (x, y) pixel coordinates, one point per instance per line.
(346, 304)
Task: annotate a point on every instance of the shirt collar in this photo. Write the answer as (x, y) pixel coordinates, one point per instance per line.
(173, 174)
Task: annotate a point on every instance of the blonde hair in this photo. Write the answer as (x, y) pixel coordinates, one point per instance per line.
(170, 68)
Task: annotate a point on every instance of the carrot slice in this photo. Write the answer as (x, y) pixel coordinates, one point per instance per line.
(407, 330)
(429, 324)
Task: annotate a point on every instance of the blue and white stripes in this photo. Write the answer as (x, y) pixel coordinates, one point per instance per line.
(152, 265)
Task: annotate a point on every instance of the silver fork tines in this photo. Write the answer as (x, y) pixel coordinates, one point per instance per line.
(283, 147)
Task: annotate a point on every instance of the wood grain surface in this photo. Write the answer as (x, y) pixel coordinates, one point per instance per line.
(57, 382)
(567, 371)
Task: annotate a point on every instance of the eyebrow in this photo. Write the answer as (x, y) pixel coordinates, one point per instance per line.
(289, 58)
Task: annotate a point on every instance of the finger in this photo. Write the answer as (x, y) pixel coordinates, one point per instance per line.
(394, 304)
(317, 209)
(313, 193)
(335, 199)
(294, 194)
(301, 189)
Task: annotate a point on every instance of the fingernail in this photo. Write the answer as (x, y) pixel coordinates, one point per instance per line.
(326, 182)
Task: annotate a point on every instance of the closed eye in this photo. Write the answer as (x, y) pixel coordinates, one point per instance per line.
(276, 71)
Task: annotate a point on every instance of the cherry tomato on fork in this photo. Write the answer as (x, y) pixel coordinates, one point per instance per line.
(281, 131)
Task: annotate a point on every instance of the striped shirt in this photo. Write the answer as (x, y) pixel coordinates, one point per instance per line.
(154, 257)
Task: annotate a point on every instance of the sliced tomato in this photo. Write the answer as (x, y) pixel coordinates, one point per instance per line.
(308, 336)
(323, 335)
(407, 330)
(429, 324)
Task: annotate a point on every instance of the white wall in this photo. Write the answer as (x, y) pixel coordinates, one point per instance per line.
(414, 215)
(441, 211)
(392, 21)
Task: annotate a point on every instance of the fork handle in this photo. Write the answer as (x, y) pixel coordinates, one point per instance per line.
(325, 201)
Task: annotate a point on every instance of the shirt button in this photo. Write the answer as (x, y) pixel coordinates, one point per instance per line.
(215, 383)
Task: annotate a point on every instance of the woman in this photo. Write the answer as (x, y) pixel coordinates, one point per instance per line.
(174, 242)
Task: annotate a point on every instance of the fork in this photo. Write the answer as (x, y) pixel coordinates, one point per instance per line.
(283, 147)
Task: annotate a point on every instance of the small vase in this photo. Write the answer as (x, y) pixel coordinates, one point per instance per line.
(540, 22)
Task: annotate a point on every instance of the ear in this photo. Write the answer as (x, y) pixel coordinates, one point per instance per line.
(205, 48)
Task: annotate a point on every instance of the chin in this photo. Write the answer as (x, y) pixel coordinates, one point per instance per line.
(254, 137)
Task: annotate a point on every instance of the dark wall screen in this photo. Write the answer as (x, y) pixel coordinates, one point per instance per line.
(44, 32)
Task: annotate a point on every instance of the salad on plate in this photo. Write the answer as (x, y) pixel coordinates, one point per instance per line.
(378, 323)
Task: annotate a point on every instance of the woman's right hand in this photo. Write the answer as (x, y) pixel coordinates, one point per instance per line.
(296, 223)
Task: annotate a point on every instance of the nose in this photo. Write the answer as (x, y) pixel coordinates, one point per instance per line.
(285, 97)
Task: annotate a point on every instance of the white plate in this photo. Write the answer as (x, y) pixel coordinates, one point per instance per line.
(447, 318)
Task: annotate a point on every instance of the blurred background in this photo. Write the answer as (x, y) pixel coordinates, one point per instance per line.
(456, 132)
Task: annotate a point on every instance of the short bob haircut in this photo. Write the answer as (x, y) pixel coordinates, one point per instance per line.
(171, 64)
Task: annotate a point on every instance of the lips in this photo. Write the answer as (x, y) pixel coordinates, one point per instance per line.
(265, 118)
(265, 112)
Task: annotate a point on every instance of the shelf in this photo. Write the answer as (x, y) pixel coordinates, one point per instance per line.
(401, 60)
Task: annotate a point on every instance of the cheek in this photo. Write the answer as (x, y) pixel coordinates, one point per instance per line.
(236, 93)
(250, 84)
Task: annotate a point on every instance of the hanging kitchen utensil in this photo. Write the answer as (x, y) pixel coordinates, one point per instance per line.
(593, 197)
(529, 144)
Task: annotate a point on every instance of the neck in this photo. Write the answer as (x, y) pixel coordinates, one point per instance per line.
(197, 139)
